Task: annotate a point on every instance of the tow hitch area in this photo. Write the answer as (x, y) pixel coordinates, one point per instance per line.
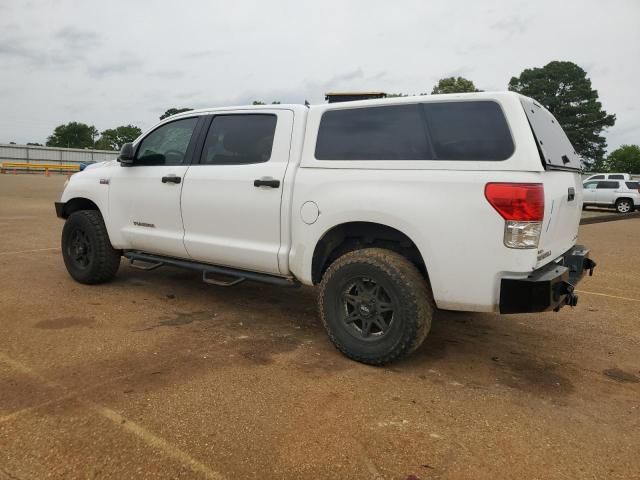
(589, 264)
(564, 290)
(548, 288)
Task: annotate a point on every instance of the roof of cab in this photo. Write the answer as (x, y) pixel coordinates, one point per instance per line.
(356, 103)
(275, 106)
(296, 107)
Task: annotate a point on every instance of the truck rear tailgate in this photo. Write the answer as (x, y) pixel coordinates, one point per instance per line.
(562, 211)
(562, 183)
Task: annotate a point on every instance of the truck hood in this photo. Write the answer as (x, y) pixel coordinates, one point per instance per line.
(106, 163)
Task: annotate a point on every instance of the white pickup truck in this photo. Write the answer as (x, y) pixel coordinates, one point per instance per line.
(394, 207)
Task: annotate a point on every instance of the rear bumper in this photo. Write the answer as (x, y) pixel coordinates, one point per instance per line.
(548, 288)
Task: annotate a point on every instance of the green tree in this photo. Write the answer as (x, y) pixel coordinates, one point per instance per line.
(454, 85)
(625, 159)
(564, 89)
(73, 135)
(174, 111)
(114, 138)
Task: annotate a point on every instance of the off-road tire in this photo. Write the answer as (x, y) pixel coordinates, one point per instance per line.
(411, 297)
(101, 261)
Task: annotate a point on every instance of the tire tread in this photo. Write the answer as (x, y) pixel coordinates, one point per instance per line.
(107, 259)
(412, 285)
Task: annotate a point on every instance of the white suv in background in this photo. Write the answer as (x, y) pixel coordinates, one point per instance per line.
(609, 176)
(624, 196)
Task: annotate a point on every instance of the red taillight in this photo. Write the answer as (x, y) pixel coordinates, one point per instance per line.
(517, 201)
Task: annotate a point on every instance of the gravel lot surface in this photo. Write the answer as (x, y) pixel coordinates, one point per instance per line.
(157, 375)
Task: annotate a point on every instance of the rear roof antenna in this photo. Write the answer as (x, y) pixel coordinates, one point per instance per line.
(306, 103)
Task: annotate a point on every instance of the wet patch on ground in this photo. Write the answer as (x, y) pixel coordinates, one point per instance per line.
(64, 322)
(262, 350)
(179, 319)
(20, 391)
(620, 375)
(534, 376)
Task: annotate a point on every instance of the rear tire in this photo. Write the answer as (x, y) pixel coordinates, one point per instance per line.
(375, 305)
(87, 252)
(624, 206)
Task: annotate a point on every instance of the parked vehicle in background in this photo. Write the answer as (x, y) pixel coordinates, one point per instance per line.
(84, 165)
(609, 176)
(624, 196)
(392, 207)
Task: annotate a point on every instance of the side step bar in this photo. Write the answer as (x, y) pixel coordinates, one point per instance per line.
(156, 261)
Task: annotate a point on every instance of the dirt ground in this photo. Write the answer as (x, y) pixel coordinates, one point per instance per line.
(157, 375)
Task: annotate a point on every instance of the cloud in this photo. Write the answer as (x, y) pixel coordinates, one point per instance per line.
(167, 74)
(198, 54)
(67, 45)
(513, 25)
(67, 52)
(75, 38)
(122, 66)
(18, 49)
(345, 77)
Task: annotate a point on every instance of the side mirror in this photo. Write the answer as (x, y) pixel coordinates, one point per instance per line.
(127, 155)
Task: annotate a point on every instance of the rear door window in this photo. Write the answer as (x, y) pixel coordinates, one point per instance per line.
(608, 185)
(239, 139)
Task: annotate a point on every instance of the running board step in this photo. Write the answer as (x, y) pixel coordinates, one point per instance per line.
(156, 261)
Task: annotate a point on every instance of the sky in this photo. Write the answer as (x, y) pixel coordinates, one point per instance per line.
(112, 63)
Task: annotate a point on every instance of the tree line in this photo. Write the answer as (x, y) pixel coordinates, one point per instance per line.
(81, 135)
(560, 86)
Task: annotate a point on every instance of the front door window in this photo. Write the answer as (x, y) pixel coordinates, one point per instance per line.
(167, 145)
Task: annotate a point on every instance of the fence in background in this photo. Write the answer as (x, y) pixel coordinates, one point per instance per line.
(51, 155)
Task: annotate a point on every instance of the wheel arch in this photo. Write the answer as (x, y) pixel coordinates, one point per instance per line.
(348, 236)
(78, 203)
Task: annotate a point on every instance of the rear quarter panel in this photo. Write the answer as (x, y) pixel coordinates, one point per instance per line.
(458, 233)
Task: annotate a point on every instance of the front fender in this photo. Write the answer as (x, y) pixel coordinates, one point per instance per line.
(87, 185)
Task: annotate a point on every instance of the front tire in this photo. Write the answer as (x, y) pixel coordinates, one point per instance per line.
(624, 206)
(87, 252)
(375, 305)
